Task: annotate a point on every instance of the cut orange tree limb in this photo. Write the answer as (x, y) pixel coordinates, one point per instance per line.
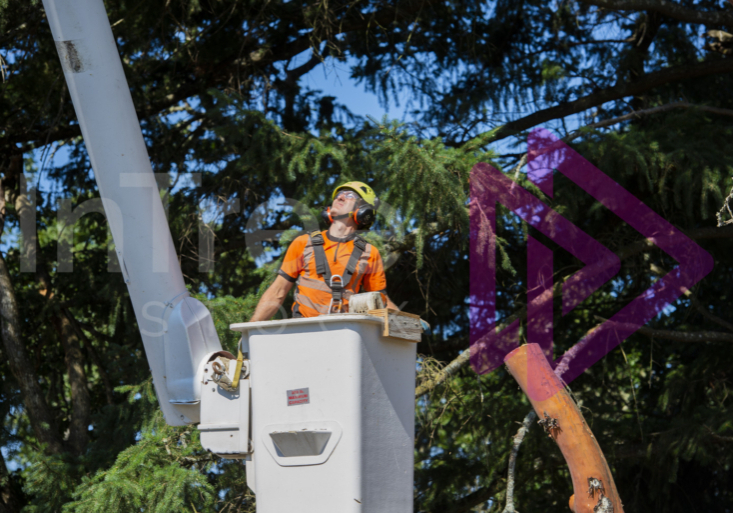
(593, 483)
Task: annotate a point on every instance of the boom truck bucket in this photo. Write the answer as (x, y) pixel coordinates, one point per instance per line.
(322, 410)
(332, 415)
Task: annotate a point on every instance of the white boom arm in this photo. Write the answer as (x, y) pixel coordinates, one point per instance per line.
(177, 330)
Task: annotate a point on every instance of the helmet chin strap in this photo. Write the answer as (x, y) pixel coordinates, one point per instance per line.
(343, 216)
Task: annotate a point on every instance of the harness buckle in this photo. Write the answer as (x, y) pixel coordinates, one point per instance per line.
(337, 302)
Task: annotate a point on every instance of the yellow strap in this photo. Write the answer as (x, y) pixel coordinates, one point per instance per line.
(238, 369)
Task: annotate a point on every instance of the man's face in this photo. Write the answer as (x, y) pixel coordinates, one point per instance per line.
(345, 202)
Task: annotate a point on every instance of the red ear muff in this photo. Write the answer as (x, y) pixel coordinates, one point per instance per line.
(326, 215)
(364, 216)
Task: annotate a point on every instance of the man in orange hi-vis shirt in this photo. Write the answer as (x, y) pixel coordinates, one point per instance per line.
(329, 267)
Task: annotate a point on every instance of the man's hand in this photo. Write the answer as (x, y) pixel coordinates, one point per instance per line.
(272, 299)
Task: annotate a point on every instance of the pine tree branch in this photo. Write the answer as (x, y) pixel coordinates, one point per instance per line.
(11, 493)
(643, 84)
(710, 232)
(354, 21)
(632, 249)
(703, 311)
(472, 500)
(643, 245)
(518, 439)
(293, 75)
(666, 8)
(696, 303)
(677, 336)
(95, 332)
(683, 336)
(489, 491)
(720, 438)
(445, 373)
(453, 367)
(108, 389)
(645, 112)
(220, 73)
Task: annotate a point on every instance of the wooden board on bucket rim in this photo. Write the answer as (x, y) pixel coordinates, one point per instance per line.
(402, 325)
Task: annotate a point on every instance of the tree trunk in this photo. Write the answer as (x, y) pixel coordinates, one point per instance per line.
(39, 414)
(80, 400)
(108, 389)
(35, 405)
(564, 423)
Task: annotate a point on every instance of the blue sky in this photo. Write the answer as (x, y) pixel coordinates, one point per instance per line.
(333, 79)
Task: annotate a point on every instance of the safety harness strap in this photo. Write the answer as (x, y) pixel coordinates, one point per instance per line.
(312, 283)
(360, 246)
(324, 270)
(322, 267)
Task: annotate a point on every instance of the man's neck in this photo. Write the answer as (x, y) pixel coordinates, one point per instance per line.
(341, 230)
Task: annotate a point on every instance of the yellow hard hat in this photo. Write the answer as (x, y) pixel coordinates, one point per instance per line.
(362, 189)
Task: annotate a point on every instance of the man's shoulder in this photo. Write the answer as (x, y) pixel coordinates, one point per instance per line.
(299, 242)
(304, 239)
(373, 250)
(301, 238)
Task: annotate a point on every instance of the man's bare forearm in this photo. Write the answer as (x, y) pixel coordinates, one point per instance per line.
(271, 300)
(265, 310)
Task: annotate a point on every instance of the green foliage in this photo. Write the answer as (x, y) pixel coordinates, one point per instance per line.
(151, 476)
(229, 310)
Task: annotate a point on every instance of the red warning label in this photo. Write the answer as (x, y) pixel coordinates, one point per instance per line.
(298, 396)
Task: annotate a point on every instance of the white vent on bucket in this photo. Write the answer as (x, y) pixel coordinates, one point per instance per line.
(300, 443)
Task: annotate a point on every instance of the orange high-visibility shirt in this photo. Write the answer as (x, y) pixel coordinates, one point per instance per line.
(312, 295)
